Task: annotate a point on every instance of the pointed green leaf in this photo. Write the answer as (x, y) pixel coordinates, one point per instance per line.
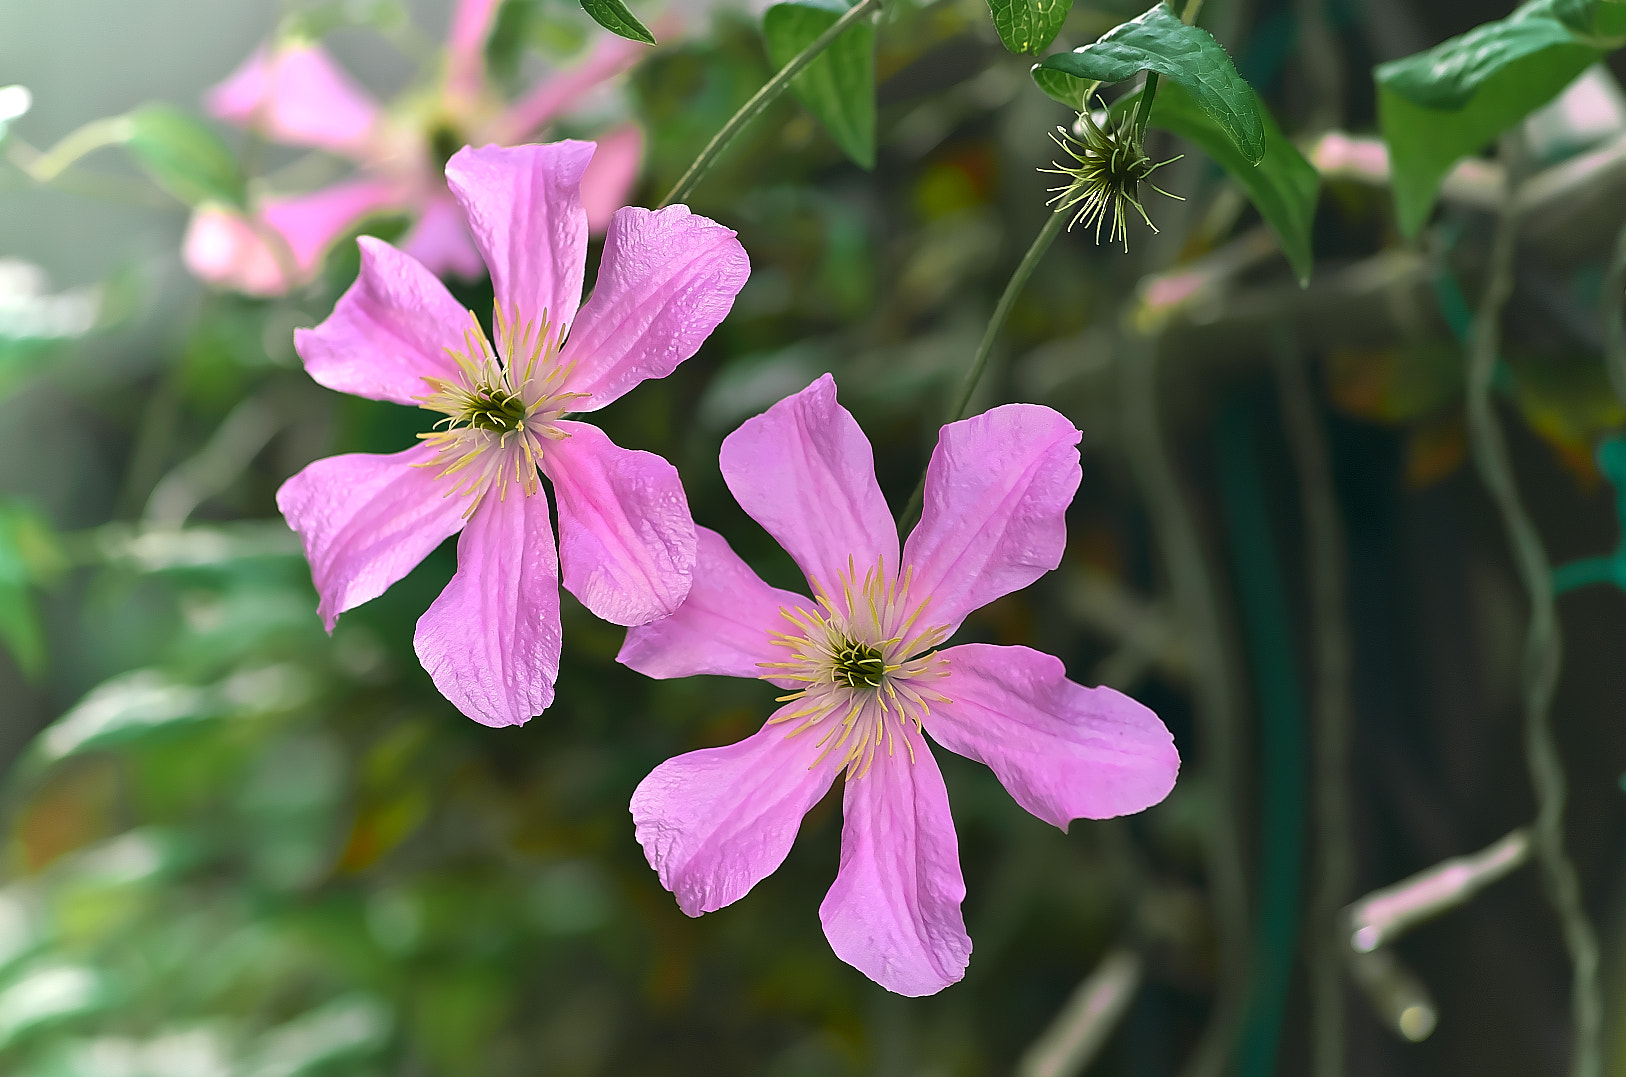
(1185, 55)
(614, 17)
(183, 155)
(1060, 86)
(1028, 25)
(1283, 186)
(1439, 106)
(838, 87)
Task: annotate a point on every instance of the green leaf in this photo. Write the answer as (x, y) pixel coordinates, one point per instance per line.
(1283, 186)
(1060, 86)
(1028, 25)
(183, 155)
(1439, 106)
(28, 557)
(838, 87)
(1187, 56)
(614, 17)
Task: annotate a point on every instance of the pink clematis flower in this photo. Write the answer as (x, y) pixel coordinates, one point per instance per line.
(868, 679)
(626, 540)
(293, 93)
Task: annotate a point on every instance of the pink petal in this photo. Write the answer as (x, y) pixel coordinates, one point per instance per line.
(366, 521)
(714, 823)
(466, 47)
(524, 208)
(667, 279)
(608, 181)
(1062, 750)
(491, 640)
(310, 223)
(388, 332)
(297, 95)
(805, 472)
(440, 240)
(894, 910)
(721, 628)
(626, 539)
(225, 249)
(611, 56)
(997, 492)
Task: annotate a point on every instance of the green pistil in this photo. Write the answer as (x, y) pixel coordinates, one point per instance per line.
(859, 665)
(444, 141)
(496, 411)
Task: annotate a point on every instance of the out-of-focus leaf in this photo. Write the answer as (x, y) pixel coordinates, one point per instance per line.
(1283, 186)
(28, 557)
(123, 709)
(838, 87)
(1439, 106)
(1028, 25)
(184, 155)
(614, 17)
(319, 20)
(1070, 90)
(350, 1027)
(49, 993)
(15, 101)
(1185, 55)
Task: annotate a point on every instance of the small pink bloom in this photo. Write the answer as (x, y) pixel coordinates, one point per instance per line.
(626, 541)
(867, 679)
(296, 94)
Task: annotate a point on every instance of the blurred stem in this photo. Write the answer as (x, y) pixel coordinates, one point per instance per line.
(1196, 603)
(1543, 652)
(979, 361)
(1614, 334)
(761, 100)
(1326, 563)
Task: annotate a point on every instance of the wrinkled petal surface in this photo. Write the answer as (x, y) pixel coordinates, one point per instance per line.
(626, 539)
(491, 640)
(388, 332)
(668, 279)
(610, 56)
(608, 181)
(296, 94)
(894, 910)
(714, 823)
(805, 472)
(366, 521)
(523, 205)
(721, 628)
(440, 240)
(994, 519)
(1062, 750)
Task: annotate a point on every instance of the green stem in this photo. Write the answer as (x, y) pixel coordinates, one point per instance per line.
(1614, 297)
(761, 100)
(1543, 651)
(1326, 565)
(1588, 570)
(979, 362)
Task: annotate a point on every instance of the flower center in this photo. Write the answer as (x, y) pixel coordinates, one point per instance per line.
(1108, 168)
(866, 664)
(500, 408)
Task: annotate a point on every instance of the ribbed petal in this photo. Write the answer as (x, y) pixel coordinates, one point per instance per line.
(1062, 750)
(524, 207)
(894, 910)
(608, 181)
(296, 94)
(440, 240)
(805, 472)
(723, 626)
(668, 278)
(491, 640)
(994, 520)
(626, 539)
(388, 332)
(366, 521)
(714, 823)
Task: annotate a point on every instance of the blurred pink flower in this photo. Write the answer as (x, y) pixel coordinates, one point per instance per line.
(626, 540)
(867, 680)
(294, 93)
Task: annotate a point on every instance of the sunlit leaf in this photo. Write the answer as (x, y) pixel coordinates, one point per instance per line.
(1439, 106)
(614, 17)
(1187, 56)
(838, 87)
(183, 155)
(1028, 25)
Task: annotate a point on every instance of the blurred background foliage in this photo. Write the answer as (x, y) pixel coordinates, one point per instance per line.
(236, 846)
